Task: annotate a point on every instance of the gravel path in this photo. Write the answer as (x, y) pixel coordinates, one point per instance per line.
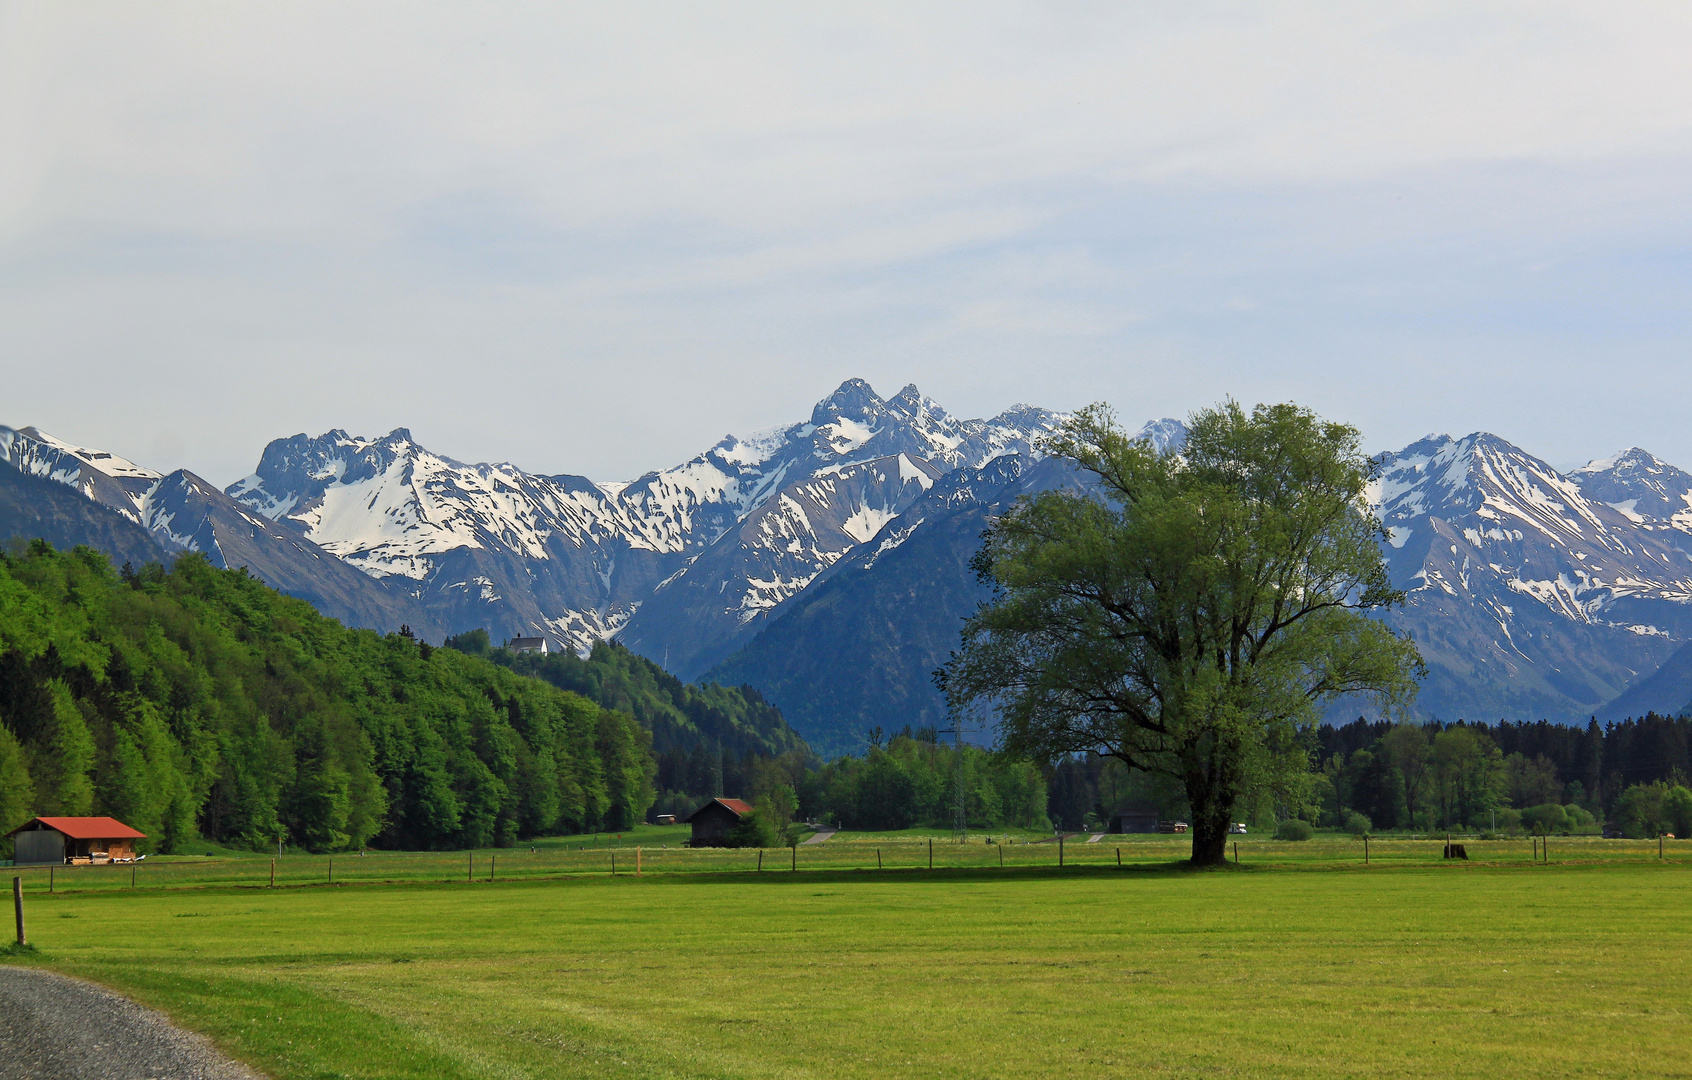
(819, 836)
(53, 1027)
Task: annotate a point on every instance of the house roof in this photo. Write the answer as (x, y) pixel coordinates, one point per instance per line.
(740, 807)
(85, 828)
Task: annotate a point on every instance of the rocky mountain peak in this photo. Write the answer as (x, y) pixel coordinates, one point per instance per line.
(1647, 490)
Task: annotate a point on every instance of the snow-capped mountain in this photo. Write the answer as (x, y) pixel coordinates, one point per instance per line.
(748, 521)
(182, 512)
(1529, 593)
(1646, 490)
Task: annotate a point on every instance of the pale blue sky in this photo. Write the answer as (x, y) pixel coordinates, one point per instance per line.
(595, 238)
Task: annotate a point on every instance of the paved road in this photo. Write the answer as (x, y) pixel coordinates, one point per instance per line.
(819, 836)
(57, 1028)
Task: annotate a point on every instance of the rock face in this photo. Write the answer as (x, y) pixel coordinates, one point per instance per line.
(1529, 597)
(858, 648)
(681, 564)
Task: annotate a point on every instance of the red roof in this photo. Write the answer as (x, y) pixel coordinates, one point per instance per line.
(740, 808)
(85, 828)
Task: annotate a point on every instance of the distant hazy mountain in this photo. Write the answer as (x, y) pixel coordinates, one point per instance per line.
(32, 507)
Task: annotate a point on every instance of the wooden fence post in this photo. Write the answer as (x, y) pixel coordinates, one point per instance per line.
(1119, 858)
(878, 858)
(132, 869)
(760, 859)
(18, 903)
(1236, 853)
(795, 866)
(1659, 846)
(931, 852)
(1365, 849)
(493, 860)
(273, 873)
(331, 869)
(1001, 856)
(637, 862)
(50, 870)
(470, 866)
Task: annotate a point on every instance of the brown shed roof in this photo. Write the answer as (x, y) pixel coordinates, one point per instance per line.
(85, 828)
(740, 807)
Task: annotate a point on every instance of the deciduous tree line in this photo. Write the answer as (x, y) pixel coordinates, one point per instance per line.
(198, 703)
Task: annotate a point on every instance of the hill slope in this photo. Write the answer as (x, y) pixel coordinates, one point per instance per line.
(200, 702)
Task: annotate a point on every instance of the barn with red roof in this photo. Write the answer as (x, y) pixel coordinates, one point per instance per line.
(81, 840)
(713, 822)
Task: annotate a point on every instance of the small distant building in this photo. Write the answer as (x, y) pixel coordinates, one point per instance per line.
(713, 822)
(1134, 819)
(666, 819)
(45, 841)
(528, 644)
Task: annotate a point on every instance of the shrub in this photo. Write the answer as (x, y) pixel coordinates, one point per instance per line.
(1546, 818)
(755, 830)
(1295, 829)
(1645, 810)
(1356, 824)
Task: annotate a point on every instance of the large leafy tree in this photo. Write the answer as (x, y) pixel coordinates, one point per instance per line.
(1191, 613)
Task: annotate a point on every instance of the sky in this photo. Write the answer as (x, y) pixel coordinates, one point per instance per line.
(595, 238)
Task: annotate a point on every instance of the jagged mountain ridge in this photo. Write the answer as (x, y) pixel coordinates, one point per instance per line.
(521, 553)
(1529, 593)
(1533, 593)
(1528, 597)
(858, 647)
(181, 512)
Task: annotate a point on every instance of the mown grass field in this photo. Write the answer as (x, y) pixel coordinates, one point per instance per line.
(1300, 963)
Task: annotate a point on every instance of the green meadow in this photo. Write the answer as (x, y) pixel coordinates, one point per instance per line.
(1301, 961)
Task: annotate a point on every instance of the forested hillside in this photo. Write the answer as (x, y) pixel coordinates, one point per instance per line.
(681, 716)
(198, 702)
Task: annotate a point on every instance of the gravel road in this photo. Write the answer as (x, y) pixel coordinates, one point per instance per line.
(57, 1028)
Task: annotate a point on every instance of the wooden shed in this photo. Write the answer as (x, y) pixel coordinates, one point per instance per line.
(77, 840)
(713, 822)
(1135, 819)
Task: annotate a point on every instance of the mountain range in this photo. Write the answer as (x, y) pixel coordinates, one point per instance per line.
(826, 562)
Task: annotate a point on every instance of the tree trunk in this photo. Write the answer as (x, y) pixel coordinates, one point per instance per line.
(1211, 819)
(1212, 789)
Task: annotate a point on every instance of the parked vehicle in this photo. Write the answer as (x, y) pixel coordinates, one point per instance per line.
(1237, 828)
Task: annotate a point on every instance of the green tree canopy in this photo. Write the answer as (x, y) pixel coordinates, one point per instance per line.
(1192, 615)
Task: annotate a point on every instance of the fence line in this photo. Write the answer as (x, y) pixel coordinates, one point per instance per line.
(842, 853)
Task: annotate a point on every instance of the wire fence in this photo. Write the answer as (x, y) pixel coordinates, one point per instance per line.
(840, 854)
